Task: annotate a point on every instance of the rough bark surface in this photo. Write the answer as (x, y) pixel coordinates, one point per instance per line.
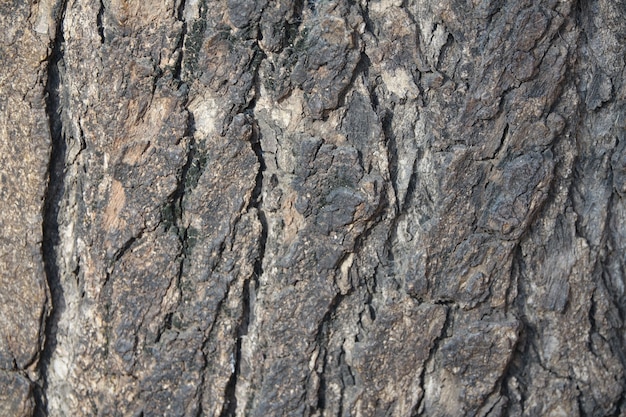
(313, 208)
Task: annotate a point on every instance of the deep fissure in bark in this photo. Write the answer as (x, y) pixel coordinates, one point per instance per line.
(256, 201)
(173, 211)
(447, 325)
(321, 340)
(99, 22)
(230, 399)
(548, 79)
(53, 197)
(180, 16)
(249, 288)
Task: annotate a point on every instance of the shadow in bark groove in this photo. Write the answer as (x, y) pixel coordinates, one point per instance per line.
(54, 194)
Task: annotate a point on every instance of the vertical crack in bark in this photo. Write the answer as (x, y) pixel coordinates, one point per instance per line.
(180, 16)
(250, 285)
(99, 21)
(172, 215)
(322, 338)
(53, 196)
(418, 408)
(230, 399)
(180, 11)
(386, 120)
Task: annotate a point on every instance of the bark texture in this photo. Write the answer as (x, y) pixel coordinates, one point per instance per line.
(313, 208)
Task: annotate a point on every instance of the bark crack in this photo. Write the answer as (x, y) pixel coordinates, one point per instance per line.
(54, 193)
(418, 409)
(99, 21)
(180, 16)
(251, 284)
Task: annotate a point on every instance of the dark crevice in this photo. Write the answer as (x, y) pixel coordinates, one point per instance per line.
(515, 285)
(493, 155)
(180, 15)
(521, 356)
(321, 392)
(583, 15)
(321, 340)
(180, 12)
(251, 284)
(167, 325)
(256, 200)
(447, 324)
(230, 408)
(501, 385)
(172, 212)
(119, 254)
(54, 194)
(411, 187)
(99, 22)
(505, 133)
(369, 23)
(229, 404)
(230, 399)
(442, 54)
(347, 379)
(386, 122)
(579, 402)
(389, 263)
(292, 26)
(172, 215)
(362, 67)
(205, 358)
(593, 328)
(485, 403)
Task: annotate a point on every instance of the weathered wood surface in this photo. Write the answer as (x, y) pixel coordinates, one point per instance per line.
(321, 207)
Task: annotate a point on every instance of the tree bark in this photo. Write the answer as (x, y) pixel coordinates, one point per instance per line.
(316, 208)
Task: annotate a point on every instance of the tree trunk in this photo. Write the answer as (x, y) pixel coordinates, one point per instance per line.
(313, 208)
